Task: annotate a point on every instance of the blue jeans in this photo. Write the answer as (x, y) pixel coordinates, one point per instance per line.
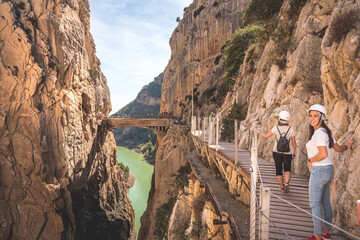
(319, 195)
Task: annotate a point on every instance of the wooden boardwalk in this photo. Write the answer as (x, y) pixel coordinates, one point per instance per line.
(297, 224)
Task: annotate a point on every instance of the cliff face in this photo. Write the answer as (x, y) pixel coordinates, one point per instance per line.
(312, 56)
(196, 46)
(171, 154)
(58, 171)
(321, 66)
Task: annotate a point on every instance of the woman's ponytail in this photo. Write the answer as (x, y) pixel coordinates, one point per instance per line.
(328, 131)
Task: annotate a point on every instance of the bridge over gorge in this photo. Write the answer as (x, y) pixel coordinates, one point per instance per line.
(252, 181)
(157, 124)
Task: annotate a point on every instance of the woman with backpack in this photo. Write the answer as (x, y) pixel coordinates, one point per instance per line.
(321, 169)
(282, 154)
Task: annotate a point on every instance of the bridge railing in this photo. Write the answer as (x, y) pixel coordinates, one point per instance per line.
(258, 207)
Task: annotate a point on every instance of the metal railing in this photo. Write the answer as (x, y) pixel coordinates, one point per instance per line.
(258, 207)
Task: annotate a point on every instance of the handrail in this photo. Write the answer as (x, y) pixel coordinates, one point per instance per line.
(274, 195)
(291, 204)
(253, 190)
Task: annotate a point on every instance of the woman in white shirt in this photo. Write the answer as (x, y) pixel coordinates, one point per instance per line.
(282, 157)
(321, 169)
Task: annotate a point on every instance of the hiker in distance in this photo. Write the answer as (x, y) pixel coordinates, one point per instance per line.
(321, 169)
(282, 154)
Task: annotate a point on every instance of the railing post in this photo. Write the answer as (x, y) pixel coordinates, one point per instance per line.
(254, 161)
(192, 125)
(236, 141)
(206, 123)
(264, 216)
(217, 133)
(203, 130)
(253, 208)
(210, 131)
(195, 125)
(199, 122)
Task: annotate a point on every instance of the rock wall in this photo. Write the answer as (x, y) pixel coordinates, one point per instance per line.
(321, 65)
(193, 216)
(172, 151)
(195, 44)
(59, 178)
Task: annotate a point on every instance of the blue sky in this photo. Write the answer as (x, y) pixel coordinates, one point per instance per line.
(132, 42)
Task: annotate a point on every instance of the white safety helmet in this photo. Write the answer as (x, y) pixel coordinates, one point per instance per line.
(284, 117)
(320, 108)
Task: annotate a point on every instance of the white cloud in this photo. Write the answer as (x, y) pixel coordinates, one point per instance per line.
(132, 42)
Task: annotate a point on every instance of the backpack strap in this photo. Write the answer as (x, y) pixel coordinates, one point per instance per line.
(287, 131)
(277, 141)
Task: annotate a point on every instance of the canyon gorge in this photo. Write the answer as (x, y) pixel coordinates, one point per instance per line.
(58, 175)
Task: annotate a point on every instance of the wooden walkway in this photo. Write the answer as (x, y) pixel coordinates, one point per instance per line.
(297, 224)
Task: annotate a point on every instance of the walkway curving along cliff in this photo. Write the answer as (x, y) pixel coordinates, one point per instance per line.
(286, 221)
(157, 124)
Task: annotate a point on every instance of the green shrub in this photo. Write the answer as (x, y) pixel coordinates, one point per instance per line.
(237, 46)
(125, 169)
(94, 73)
(216, 3)
(59, 67)
(261, 10)
(162, 218)
(238, 111)
(198, 11)
(283, 39)
(268, 29)
(182, 178)
(218, 15)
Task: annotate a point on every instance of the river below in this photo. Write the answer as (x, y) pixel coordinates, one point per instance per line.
(142, 171)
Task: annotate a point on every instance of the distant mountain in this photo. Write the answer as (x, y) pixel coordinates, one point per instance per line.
(146, 104)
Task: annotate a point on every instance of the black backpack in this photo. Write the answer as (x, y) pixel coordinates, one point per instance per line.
(283, 143)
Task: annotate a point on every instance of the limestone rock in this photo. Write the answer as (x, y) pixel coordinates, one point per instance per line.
(195, 45)
(58, 171)
(171, 154)
(321, 66)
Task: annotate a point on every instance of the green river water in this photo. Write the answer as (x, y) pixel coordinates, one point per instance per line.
(142, 171)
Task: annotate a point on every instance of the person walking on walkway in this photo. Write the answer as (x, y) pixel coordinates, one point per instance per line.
(282, 154)
(321, 169)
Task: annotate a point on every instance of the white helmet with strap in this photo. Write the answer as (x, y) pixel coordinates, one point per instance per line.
(284, 117)
(320, 108)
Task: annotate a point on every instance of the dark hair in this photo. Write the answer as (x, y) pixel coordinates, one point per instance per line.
(328, 131)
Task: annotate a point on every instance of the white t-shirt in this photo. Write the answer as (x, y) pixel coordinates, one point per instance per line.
(319, 138)
(283, 130)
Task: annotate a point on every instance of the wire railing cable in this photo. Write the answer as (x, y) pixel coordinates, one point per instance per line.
(260, 211)
(274, 195)
(341, 132)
